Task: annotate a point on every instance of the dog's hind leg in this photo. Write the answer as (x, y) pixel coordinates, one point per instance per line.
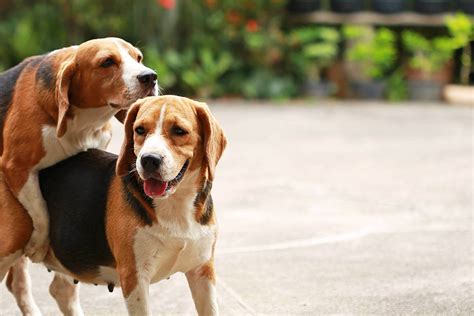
(66, 294)
(19, 284)
(7, 262)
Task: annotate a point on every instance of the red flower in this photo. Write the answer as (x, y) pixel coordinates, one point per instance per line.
(252, 26)
(167, 4)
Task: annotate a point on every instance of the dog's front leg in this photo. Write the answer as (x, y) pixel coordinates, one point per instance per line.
(202, 282)
(29, 195)
(135, 289)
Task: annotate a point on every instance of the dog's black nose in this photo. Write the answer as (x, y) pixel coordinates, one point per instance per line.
(148, 77)
(150, 163)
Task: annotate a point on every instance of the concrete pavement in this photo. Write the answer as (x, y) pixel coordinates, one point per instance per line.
(330, 209)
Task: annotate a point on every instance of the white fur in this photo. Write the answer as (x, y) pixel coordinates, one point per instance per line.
(156, 144)
(176, 243)
(31, 198)
(21, 288)
(84, 131)
(203, 292)
(131, 69)
(61, 49)
(138, 300)
(108, 275)
(66, 294)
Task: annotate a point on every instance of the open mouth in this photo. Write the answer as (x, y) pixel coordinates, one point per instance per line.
(155, 188)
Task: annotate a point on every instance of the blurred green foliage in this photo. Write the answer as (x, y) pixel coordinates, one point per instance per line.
(427, 55)
(206, 48)
(461, 30)
(215, 48)
(397, 89)
(313, 49)
(374, 50)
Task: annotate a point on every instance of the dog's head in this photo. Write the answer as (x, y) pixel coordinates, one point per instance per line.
(166, 139)
(104, 72)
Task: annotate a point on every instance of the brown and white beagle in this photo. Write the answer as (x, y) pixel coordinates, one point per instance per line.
(58, 104)
(134, 219)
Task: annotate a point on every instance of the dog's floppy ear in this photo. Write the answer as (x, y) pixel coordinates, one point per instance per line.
(214, 140)
(126, 157)
(63, 81)
(121, 115)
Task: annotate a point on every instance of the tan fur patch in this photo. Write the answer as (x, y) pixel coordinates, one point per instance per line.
(207, 271)
(15, 223)
(121, 226)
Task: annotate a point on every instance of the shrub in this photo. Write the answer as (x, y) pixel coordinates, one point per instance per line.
(427, 56)
(373, 50)
(313, 49)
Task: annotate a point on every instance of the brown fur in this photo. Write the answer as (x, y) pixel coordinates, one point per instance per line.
(213, 138)
(127, 156)
(79, 81)
(207, 271)
(121, 224)
(16, 225)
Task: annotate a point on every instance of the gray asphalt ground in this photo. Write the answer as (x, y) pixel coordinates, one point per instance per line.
(333, 208)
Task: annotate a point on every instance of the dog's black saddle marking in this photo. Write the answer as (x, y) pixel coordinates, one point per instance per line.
(76, 193)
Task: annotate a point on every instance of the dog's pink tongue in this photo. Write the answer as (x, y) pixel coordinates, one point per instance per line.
(154, 187)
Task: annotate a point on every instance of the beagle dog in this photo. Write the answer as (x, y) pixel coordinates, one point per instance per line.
(134, 219)
(58, 104)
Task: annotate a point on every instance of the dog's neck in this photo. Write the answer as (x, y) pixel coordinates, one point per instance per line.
(90, 119)
(184, 195)
(191, 201)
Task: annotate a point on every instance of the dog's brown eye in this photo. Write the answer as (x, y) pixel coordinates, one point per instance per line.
(178, 131)
(107, 63)
(139, 58)
(140, 130)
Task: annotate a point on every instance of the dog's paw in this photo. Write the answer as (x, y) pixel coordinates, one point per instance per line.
(37, 248)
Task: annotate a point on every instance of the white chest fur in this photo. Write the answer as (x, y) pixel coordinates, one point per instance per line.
(84, 131)
(177, 243)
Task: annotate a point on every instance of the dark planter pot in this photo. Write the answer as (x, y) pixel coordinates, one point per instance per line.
(318, 89)
(303, 6)
(373, 90)
(431, 6)
(389, 6)
(347, 6)
(424, 90)
(466, 6)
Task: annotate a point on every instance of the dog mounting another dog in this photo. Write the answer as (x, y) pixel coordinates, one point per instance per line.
(59, 104)
(130, 220)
